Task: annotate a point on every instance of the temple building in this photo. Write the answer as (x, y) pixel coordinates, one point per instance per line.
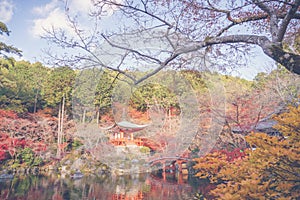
(124, 134)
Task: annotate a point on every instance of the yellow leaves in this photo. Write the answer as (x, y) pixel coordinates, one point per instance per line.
(289, 124)
(202, 175)
(222, 191)
(260, 140)
(271, 169)
(245, 189)
(284, 186)
(210, 165)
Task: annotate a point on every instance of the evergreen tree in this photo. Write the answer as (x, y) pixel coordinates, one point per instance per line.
(4, 48)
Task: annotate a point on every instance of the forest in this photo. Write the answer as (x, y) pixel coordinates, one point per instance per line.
(255, 153)
(134, 87)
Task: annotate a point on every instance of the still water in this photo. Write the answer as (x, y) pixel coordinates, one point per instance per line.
(103, 187)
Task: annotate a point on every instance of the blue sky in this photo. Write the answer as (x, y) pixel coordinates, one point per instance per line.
(27, 18)
(19, 17)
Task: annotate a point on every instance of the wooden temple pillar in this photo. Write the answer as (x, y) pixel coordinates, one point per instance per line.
(164, 170)
(179, 178)
(179, 163)
(131, 136)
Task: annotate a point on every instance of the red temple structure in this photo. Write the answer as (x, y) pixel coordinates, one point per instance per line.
(125, 134)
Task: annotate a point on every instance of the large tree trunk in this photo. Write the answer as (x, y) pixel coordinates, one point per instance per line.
(60, 135)
(289, 60)
(170, 119)
(62, 119)
(58, 153)
(274, 50)
(35, 101)
(98, 115)
(83, 116)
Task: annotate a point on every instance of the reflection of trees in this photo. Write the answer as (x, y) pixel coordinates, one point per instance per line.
(139, 186)
(29, 186)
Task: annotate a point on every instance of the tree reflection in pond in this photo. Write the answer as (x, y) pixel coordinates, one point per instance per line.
(135, 187)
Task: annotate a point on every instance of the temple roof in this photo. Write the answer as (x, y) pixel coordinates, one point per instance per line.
(126, 124)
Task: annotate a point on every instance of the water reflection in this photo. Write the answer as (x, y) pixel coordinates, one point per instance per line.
(133, 187)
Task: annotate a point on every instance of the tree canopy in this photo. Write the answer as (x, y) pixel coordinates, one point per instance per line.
(267, 170)
(4, 48)
(184, 34)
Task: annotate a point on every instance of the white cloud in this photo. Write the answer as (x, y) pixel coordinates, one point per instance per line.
(56, 19)
(81, 6)
(53, 15)
(45, 9)
(6, 10)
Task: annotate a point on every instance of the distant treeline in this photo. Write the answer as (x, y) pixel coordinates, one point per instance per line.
(30, 87)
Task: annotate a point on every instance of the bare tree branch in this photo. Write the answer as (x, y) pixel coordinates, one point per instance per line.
(263, 6)
(287, 19)
(186, 29)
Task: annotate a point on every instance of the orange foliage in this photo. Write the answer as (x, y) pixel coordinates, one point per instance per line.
(270, 171)
(137, 115)
(210, 165)
(8, 114)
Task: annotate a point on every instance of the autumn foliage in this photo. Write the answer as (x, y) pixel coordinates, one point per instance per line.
(269, 170)
(18, 133)
(210, 165)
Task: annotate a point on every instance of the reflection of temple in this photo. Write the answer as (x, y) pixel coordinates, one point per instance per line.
(153, 187)
(125, 134)
(137, 187)
(138, 196)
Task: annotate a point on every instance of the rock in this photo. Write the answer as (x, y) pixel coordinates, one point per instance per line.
(77, 175)
(6, 176)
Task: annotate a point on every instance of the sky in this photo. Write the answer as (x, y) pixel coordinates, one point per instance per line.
(27, 19)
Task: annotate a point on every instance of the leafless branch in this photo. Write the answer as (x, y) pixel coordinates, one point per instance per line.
(182, 25)
(286, 20)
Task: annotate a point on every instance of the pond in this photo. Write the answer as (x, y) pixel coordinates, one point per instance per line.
(106, 186)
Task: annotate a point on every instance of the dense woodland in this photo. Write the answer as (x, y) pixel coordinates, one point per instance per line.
(37, 123)
(256, 152)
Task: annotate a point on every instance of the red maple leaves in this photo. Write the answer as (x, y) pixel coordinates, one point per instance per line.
(15, 136)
